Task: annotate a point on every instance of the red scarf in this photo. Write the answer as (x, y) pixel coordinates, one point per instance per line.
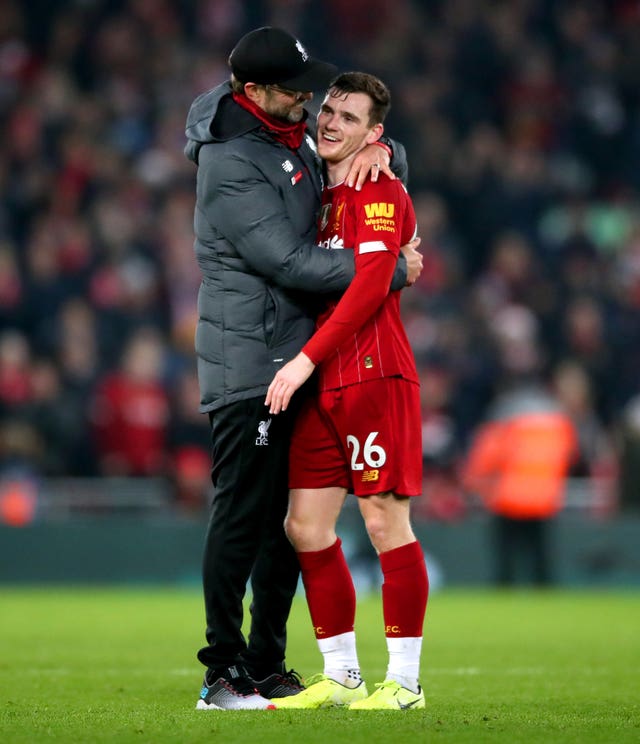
(290, 135)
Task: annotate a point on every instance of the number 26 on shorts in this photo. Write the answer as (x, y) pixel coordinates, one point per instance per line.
(373, 455)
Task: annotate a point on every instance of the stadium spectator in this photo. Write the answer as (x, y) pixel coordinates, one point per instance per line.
(130, 411)
(629, 433)
(188, 442)
(11, 287)
(442, 446)
(518, 464)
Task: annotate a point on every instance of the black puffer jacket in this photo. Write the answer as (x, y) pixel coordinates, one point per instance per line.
(255, 226)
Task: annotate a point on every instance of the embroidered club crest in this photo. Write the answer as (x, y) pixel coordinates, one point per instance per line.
(324, 216)
(303, 51)
(263, 433)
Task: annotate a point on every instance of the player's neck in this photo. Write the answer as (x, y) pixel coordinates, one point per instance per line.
(336, 173)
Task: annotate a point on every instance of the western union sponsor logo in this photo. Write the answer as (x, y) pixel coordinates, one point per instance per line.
(379, 209)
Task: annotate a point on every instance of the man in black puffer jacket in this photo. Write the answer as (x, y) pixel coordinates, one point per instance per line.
(258, 192)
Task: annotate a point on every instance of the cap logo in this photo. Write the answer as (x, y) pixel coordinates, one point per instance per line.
(303, 51)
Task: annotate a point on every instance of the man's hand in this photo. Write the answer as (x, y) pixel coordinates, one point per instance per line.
(287, 381)
(370, 160)
(414, 260)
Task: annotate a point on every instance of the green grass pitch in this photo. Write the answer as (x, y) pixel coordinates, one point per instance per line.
(118, 665)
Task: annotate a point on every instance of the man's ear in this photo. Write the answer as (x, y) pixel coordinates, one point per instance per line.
(252, 92)
(374, 134)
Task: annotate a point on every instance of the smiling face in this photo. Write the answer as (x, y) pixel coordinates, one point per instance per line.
(344, 126)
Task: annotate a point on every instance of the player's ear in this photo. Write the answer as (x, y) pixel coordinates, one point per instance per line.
(375, 133)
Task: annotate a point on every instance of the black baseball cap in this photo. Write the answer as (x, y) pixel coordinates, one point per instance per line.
(273, 56)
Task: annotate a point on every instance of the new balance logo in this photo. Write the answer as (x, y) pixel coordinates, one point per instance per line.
(370, 476)
(263, 433)
(287, 166)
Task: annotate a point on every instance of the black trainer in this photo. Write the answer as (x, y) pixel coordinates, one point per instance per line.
(279, 685)
(230, 689)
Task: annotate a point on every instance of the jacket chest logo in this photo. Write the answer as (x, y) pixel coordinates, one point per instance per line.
(288, 167)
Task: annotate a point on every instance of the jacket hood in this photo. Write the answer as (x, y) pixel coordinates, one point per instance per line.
(215, 117)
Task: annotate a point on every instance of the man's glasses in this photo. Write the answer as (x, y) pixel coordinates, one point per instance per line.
(296, 95)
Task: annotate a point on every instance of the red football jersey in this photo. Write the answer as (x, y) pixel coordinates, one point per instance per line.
(360, 336)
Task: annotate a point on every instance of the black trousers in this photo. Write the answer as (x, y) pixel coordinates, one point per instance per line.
(246, 539)
(522, 551)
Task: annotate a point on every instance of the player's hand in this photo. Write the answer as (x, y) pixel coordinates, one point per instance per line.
(370, 160)
(287, 381)
(414, 260)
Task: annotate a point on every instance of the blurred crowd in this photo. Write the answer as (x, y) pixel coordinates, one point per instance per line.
(521, 120)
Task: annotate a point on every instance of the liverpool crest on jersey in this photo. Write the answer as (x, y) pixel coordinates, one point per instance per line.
(325, 213)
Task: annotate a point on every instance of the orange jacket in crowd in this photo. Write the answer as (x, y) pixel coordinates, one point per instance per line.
(519, 460)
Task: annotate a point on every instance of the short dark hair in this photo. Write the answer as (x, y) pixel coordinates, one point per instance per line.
(237, 86)
(362, 82)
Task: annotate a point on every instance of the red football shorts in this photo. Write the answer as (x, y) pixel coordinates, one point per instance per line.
(366, 438)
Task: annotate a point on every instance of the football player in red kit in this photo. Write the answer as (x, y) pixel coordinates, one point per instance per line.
(361, 433)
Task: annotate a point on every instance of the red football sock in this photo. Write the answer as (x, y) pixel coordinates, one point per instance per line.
(405, 591)
(331, 595)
